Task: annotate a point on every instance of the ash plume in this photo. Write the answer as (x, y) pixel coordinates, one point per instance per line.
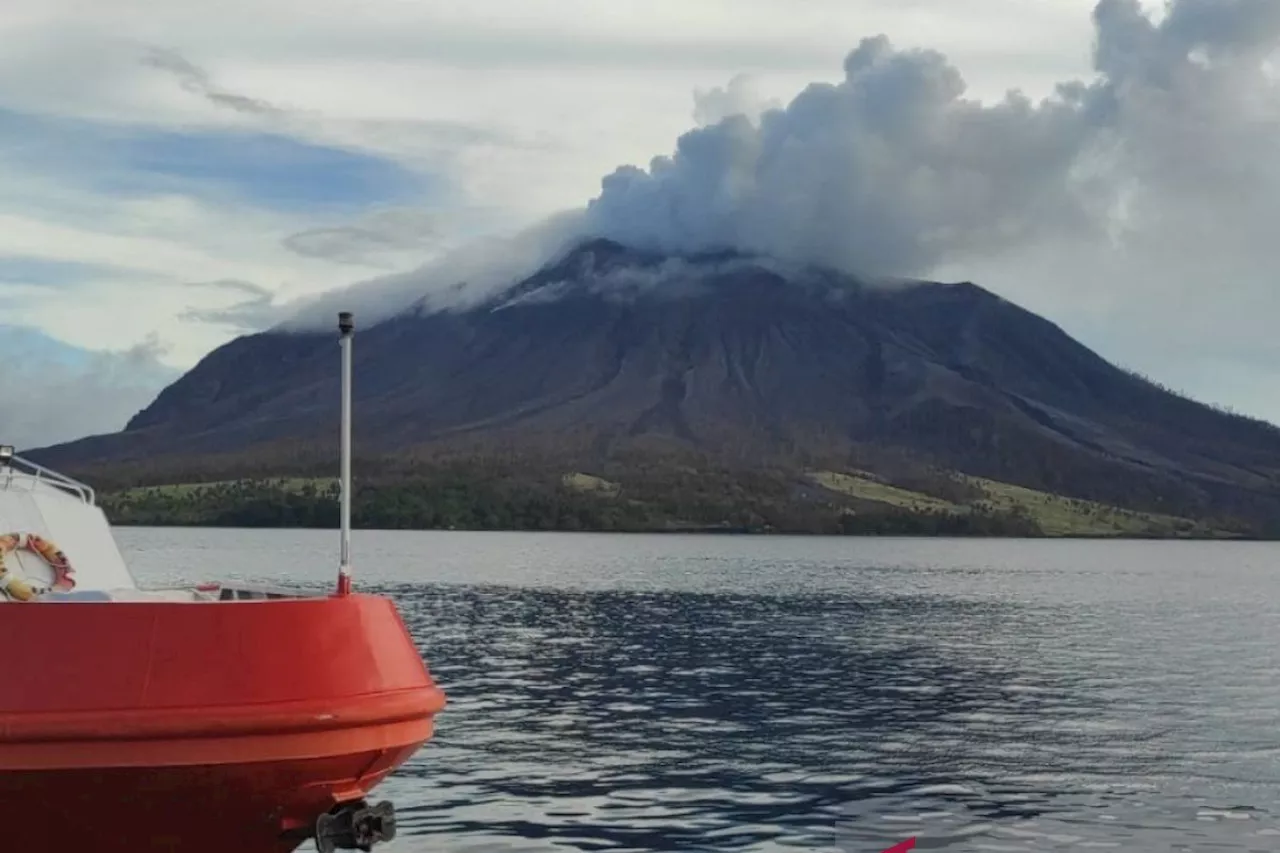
(894, 171)
(1169, 156)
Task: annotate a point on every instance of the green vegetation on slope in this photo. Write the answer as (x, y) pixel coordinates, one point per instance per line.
(871, 488)
(1053, 515)
(591, 485)
(1059, 516)
(278, 502)
(635, 496)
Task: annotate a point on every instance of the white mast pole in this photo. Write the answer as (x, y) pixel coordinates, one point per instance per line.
(346, 327)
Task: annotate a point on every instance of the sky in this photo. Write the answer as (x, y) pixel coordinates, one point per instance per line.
(173, 174)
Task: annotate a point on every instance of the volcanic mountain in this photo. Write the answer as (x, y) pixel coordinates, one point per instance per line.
(741, 358)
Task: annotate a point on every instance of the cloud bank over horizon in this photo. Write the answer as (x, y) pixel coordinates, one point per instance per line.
(59, 393)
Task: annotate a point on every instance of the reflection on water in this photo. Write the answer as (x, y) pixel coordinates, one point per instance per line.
(740, 694)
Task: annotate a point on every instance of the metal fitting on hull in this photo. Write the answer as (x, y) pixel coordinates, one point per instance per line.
(355, 826)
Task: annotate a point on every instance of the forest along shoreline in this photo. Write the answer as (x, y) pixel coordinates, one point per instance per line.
(658, 499)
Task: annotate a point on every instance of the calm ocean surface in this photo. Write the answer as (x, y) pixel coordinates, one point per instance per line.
(764, 694)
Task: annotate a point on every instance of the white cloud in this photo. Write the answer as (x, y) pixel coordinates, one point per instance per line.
(554, 96)
(153, 247)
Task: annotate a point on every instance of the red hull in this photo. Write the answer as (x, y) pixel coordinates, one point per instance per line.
(202, 726)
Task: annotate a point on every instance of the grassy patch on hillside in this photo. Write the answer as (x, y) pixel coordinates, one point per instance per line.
(591, 484)
(1055, 515)
(1061, 516)
(868, 487)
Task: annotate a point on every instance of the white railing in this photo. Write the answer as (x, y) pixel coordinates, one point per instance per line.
(18, 471)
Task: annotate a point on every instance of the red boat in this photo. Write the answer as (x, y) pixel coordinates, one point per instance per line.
(208, 719)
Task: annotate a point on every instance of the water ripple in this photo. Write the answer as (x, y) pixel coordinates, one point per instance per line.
(615, 693)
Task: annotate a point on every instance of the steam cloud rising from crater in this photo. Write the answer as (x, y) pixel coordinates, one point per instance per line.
(893, 171)
(1166, 162)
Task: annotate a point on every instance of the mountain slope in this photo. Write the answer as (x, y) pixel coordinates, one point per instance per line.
(742, 359)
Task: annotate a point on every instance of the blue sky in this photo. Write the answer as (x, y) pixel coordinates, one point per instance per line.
(120, 239)
(46, 272)
(233, 166)
(89, 198)
(263, 170)
(223, 160)
(20, 342)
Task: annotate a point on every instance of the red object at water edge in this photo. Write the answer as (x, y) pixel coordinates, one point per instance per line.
(903, 847)
(203, 720)
(212, 726)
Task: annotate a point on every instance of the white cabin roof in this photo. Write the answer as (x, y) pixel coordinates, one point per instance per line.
(65, 512)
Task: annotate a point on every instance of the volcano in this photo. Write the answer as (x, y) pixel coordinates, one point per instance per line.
(741, 358)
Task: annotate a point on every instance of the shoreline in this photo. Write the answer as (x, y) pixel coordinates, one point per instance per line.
(720, 531)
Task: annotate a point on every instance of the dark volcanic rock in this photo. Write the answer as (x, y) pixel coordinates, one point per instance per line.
(730, 355)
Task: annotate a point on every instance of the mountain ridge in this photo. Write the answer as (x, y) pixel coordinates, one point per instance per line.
(746, 359)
